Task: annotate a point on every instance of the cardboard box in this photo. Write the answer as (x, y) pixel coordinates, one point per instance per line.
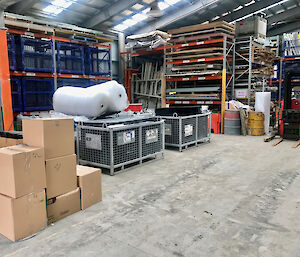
(22, 170)
(89, 181)
(62, 206)
(24, 216)
(61, 175)
(56, 136)
(4, 142)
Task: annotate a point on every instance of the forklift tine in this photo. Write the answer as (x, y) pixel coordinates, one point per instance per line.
(296, 144)
(278, 141)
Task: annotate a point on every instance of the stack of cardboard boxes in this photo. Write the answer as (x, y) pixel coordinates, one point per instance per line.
(47, 160)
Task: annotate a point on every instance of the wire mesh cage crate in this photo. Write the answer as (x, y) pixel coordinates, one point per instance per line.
(98, 61)
(115, 147)
(36, 54)
(182, 131)
(16, 94)
(11, 48)
(37, 94)
(70, 58)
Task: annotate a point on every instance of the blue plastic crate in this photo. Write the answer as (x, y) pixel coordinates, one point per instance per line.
(37, 94)
(36, 55)
(93, 82)
(11, 47)
(73, 83)
(98, 61)
(16, 94)
(70, 58)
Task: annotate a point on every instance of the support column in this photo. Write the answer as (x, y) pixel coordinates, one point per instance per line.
(122, 61)
(6, 119)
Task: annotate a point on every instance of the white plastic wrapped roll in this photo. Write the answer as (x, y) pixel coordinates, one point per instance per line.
(98, 100)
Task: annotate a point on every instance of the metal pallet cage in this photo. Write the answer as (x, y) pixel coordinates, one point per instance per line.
(98, 61)
(182, 131)
(70, 58)
(116, 146)
(36, 54)
(16, 94)
(11, 47)
(37, 94)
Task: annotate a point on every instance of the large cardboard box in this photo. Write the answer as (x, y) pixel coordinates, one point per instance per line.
(89, 181)
(22, 170)
(24, 216)
(56, 136)
(62, 206)
(61, 175)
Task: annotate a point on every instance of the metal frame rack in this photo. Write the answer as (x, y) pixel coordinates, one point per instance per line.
(199, 65)
(183, 131)
(244, 64)
(40, 58)
(116, 146)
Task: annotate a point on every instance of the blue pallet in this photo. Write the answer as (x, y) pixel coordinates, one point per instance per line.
(37, 94)
(70, 58)
(98, 61)
(36, 55)
(16, 94)
(11, 47)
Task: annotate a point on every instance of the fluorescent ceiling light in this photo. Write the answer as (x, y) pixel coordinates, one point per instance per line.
(139, 17)
(170, 2)
(62, 3)
(130, 22)
(146, 11)
(137, 6)
(120, 27)
(51, 9)
(163, 5)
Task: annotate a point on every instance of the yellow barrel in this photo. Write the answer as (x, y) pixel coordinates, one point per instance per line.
(256, 125)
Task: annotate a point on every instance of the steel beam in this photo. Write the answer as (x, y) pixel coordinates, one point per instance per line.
(180, 14)
(6, 3)
(285, 28)
(286, 15)
(106, 13)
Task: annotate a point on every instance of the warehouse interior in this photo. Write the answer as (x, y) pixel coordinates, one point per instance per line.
(149, 128)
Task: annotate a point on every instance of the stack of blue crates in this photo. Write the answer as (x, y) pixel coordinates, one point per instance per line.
(36, 55)
(37, 94)
(70, 58)
(16, 94)
(73, 83)
(98, 61)
(11, 47)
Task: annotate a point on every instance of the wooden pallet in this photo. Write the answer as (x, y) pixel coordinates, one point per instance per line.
(203, 27)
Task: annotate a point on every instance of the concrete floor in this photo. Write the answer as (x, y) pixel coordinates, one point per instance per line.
(236, 196)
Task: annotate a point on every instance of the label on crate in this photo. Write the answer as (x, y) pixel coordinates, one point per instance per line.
(93, 141)
(183, 45)
(185, 79)
(200, 43)
(151, 136)
(201, 60)
(185, 61)
(188, 130)
(30, 74)
(168, 129)
(127, 137)
(75, 76)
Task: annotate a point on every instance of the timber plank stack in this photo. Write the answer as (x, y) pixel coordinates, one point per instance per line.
(194, 62)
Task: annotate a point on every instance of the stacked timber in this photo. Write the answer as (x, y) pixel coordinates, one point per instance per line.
(194, 61)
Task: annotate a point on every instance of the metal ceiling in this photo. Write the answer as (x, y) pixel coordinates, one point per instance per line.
(283, 16)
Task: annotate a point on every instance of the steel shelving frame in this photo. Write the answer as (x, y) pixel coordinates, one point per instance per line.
(224, 80)
(239, 82)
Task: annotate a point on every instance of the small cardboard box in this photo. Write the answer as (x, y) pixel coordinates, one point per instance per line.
(22, 170)
(62, 206)
(2, 142)
(89, 181)
(56, 136)
(61, 175)
(24, 216)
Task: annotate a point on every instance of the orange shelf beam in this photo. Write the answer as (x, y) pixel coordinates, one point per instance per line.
(194, 78)
(208, 59)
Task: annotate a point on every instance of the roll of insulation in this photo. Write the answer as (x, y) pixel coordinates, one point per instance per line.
(102, 99)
